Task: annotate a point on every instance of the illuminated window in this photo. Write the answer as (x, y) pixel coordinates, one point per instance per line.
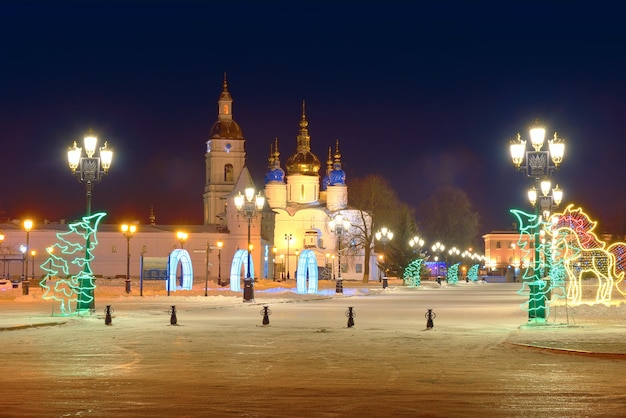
(226, 109)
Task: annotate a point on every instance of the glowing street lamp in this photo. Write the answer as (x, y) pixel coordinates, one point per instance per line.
(28, 226)
(538, 165)
(339, 225)
(438, 248)
(384, 235)
(249, 205)
(220, 244)
(89, 170)
(182, 237)
(128, 231)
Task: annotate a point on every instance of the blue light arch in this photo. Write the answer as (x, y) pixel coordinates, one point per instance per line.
(307, 266)
(181, 256)
(240, 259)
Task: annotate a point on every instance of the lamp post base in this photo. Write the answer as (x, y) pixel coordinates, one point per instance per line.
(248, 290)
(339, 286)
(385, 283)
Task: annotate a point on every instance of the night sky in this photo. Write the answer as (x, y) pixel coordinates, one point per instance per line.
(424, 96)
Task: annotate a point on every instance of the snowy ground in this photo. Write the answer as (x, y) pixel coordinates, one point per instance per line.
(219, 360)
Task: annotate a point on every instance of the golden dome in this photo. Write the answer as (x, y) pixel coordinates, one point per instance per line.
(303, 161)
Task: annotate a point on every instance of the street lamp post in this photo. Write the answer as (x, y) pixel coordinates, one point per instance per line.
(32, 258)
(4, 275)
(249, 205)
(384, 235)
(274, 263)
(89, 170)
(206, 269)
(538, 165)
(288, 238)
(220, 244)
(28, 226)
(437, 248)
(339, 225)
(128, 231)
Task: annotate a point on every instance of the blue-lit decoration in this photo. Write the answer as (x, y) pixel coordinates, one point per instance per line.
(181, 256)
(240, 259)
(306, 270)
(412, 273)
(453, 273)
(69, 278)
(472, 273)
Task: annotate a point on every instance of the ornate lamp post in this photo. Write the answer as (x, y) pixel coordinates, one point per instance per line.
(89, 170)
(288, 238)
(28, 226)
(538, 165)
(220, 244)
(384, 235)
(249, 205)
(339, 225)
(4, 275)
(128, 231)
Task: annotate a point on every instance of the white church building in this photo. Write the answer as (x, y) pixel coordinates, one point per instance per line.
(299, 205)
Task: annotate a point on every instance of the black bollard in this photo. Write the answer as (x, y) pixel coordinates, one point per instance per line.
(430, 315)
(350, 314)
(266, 312)
(107, 315)
(173, 319)
(127, 282)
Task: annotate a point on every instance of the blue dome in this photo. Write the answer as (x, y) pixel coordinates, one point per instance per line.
(337, 177)
(325, 182)
(275, 175)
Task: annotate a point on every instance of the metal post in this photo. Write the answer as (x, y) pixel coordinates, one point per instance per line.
(248, 290)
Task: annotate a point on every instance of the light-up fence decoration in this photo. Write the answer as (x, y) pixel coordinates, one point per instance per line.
(580, 255)
(412, 273)
(307, 272)
(68, 276)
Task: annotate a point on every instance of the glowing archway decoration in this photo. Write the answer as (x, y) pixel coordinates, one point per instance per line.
(307, 266)
(181, 256)
(72, 285)
(240, 259)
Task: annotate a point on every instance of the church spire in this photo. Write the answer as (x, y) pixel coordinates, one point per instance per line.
(304, 140)
(225, 102)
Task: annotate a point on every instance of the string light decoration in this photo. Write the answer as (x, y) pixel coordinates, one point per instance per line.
(69, 278)
(453, 273)
(533, 285)
(472, 273)
(584, 255)
(412, 272)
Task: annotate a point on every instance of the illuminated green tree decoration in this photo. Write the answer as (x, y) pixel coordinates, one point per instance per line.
(411, 275)
(453, 273)
(533, 285)
(69, 279)
(472, 273)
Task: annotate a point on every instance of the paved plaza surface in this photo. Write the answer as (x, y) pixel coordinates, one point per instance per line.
(220, 360)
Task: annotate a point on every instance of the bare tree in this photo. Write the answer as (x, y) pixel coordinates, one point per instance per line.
(447, 216)
(377, 203)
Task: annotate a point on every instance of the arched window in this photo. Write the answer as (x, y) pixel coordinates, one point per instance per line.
(228, 173)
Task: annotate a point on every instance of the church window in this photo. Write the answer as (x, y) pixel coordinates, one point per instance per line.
(302, 192)
(226, 109)
(228, 173)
